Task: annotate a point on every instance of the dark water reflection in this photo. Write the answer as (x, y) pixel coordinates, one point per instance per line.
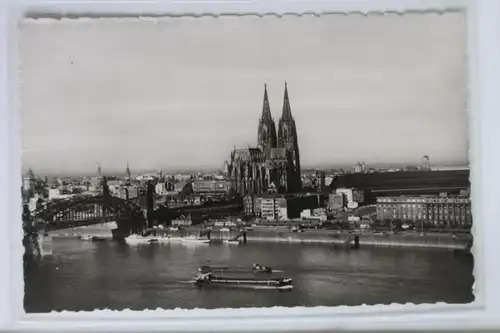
(84, 276)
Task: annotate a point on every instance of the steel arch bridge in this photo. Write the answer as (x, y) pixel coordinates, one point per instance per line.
(88, 210)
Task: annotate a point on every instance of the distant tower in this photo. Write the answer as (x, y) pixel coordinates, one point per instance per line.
(127, 172)
(266, 135)
(150, 203)
(426, 163)
(99, 170)
(360, 167)
(287, 138)
(320, 176)
(29, 182)
(105, 187)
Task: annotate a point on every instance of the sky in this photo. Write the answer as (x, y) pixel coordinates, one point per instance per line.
(174, 93)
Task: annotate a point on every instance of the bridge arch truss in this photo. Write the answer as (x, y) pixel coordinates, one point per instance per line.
(88, 210)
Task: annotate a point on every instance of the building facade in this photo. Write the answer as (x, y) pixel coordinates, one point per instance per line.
(274, 165)
(273, 208)
(453, 211)
(210, 187)
(248, 206)
(353, 197)
(335, 202)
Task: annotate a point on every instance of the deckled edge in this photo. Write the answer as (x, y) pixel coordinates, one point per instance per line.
(50, 17)
(265, 312)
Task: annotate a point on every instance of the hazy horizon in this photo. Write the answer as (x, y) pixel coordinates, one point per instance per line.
(180, 93)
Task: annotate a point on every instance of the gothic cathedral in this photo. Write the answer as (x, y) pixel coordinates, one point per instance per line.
(274, 165)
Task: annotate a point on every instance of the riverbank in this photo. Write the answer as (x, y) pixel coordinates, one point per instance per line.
(441, 241)
(406, 239)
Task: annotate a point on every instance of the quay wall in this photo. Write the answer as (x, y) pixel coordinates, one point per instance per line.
(103, 230)
(406, 240)
(442, 241)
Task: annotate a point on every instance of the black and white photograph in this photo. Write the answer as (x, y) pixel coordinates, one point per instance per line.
(245, 161)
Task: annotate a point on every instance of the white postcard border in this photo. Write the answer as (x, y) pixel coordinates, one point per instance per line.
(484, 101)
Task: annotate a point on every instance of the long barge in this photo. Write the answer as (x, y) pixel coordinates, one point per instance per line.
(210, 280)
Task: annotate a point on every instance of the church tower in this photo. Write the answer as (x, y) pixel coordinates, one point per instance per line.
(266, 136)
(127, 175)
(287, 138)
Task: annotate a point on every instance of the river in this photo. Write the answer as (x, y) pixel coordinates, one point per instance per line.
(85, 276)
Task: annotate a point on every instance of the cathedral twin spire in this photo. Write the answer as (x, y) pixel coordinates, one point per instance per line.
(285, 137)
(267, 137)
(287, 110)
(267, 127)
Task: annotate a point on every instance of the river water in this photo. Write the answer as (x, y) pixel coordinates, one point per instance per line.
(85, 276)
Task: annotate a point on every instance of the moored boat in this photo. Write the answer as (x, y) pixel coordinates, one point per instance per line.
(135, 239)
(233, 241)
(194, 239)
(92, 238)
(263, 269)
(210, 280)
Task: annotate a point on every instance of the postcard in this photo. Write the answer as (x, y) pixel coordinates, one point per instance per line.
(245, 162)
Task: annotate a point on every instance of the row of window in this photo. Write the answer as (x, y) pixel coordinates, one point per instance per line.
(421, 201)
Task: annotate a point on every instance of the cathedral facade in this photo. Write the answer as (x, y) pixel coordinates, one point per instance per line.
(274, 165)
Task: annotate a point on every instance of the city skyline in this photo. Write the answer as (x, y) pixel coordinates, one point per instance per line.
(389, 102)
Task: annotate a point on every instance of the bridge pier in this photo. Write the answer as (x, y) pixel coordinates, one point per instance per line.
(37, 244)
(355, 242)
(44, 244)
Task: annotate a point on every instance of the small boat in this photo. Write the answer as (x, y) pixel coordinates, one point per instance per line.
(175, 238)
(135, 239)
(232, 241)
(263, 269)
(209, 280)
(92, 238)
(194, 239)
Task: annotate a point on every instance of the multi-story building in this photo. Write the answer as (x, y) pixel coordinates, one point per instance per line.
(282, 207)
(335, 201)
(212, 188)
(453, 211)
(274, 165)
(320, 178)
(353, 197)
(161, 189)
(273, 208)
(35, 203)
(182, 221)
(257, 201)
(59, 193)
(178, 187)
(248, 205)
